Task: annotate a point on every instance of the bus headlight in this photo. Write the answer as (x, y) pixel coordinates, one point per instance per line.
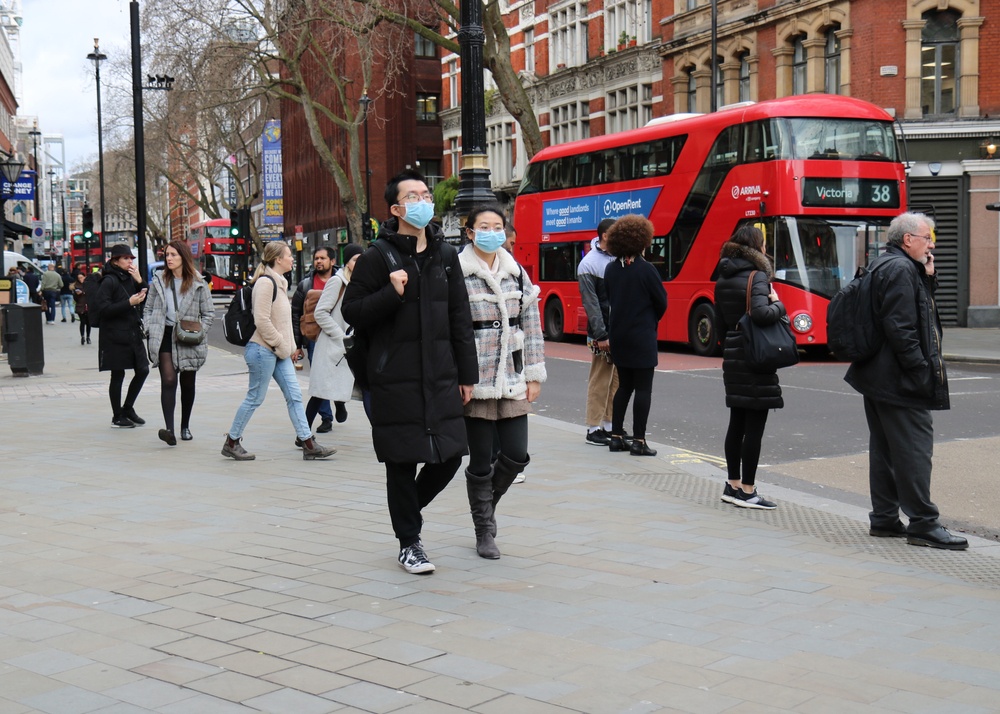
(802, 322)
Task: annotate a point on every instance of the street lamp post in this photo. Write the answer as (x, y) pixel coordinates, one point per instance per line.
(97, 57)
(474, 176)
(367, 229)
(52, 206)
(34, 133)
(11, 169)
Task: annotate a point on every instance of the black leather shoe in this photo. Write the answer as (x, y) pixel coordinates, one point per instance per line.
(940, 537)
(640, 448)
(341, 414)
(896, 531)
(186, 435)
(324, 427)
(130, 413)
(167, 437)
(616, 443)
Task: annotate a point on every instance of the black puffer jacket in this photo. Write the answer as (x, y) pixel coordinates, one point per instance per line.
(908, 369)
(421, 347)
(120, 342)
(745, 389)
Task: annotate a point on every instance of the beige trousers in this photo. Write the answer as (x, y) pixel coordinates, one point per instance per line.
(601, 387)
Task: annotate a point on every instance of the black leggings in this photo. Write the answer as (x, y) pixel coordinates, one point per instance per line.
(746, 431)
(631, 380)
(168, 385)
(134, 387)
(84, 322)
(513, 436)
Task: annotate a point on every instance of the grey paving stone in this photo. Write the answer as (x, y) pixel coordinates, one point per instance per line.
(286, 701)
(49, 662)
(68, 700)
(372, 697)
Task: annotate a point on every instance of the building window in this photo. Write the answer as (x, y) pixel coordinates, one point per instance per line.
(453, 83)
(831, 62)
(629, 108)
(627, 20)
(745, 77)
(939, 59)
(431, 169)
(455, 156)
(799, 73)
(569, 122)
(529, 50)
(568, 36)
(424, 47)
(692, 93)
(427, 107)
(720, 84)
(500, 152)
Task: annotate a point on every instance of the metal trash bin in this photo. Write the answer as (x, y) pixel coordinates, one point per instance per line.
(22, 333)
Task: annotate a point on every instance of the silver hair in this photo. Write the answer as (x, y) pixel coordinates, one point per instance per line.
(907, 223)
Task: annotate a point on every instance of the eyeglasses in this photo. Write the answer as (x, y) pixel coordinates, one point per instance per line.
(917, 235)
(414, 197)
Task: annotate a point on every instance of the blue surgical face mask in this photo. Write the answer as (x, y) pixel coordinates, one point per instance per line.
(419, 213)
(489, 241)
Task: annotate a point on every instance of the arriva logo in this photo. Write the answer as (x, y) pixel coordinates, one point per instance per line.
(745, 191)
(825, 193)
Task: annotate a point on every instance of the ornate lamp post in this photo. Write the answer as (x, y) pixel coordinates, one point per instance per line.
(97, 57)
(474, 176)
(34, 134)
(11, 169)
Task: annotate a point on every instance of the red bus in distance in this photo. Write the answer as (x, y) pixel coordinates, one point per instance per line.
(819, 174)
(221, 259)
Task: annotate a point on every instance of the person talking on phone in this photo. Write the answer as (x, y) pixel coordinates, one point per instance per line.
(120, 340)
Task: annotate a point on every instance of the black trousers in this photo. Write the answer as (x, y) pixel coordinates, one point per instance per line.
(900, 448)
(743, 439)
(407, 492)
(640, 382)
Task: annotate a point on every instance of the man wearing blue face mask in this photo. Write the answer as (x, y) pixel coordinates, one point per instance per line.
(407, 300)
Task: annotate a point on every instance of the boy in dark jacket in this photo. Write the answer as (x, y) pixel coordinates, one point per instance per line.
(422, 359)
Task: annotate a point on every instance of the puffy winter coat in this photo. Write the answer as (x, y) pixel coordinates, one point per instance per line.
(495, 299)
(908, 369)
(195, 304)
(745, 389)
(330, 376)
(421, 347)
(120, 343)
(638, 301)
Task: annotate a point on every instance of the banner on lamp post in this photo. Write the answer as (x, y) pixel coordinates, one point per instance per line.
(21, 190)
(274, 201)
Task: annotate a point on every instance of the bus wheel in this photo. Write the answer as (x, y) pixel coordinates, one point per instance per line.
(702, 331)
(554, 321)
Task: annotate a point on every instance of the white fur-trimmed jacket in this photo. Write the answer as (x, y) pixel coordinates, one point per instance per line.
(495, 298)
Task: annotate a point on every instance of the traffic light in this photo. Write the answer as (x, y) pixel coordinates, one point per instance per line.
(234, 224)
(239, 223)
(88, 223)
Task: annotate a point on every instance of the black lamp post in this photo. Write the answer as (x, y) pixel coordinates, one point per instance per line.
(52, 206)
(34, 133)
(97, 57)
(11, 169)
(474, 176)
(366, 230)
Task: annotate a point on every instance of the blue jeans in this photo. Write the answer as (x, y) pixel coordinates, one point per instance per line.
(51, 298)
(325, 413)
(263, 365)
(67, 305)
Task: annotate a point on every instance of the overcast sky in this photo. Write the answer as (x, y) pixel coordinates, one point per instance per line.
(57, 79)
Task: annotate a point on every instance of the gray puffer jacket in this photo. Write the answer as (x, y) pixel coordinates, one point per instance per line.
(195, 304)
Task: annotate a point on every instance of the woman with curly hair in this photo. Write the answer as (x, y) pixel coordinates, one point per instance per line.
(749, 394)
(638, 301)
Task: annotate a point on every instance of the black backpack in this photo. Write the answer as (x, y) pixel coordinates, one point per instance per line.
(238, 324)
(92, 289)
(853, 330)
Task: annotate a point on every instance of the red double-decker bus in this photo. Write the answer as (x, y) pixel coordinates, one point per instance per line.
(221, 258)
(819, 174)
(79, 254)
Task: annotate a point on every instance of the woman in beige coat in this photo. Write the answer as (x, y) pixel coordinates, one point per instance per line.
(270, 353)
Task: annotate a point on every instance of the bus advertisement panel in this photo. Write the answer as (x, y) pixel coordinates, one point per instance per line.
(221, 259)
(819, 174)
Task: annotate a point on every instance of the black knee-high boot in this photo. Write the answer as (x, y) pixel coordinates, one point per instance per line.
(480, 490)
(505, 470)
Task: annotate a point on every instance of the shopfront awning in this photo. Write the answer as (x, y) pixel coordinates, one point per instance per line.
(13, 230)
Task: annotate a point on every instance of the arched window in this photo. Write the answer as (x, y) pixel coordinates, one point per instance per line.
(831, 62)
(692, 103)
(939, 59)
(745, 77)
(720, 83)
(798, 66)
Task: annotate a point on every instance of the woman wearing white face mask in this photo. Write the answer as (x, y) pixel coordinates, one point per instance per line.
(511, 368)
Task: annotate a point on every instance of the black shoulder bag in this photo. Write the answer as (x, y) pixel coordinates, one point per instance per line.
(767, 348)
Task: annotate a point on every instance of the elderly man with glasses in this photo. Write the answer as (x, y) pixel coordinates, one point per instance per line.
(901, 384)
(408, 302)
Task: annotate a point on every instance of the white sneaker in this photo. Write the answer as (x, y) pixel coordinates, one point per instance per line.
(519, 478)
(412, 559)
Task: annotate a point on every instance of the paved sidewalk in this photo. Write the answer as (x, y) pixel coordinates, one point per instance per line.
(135, 577)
